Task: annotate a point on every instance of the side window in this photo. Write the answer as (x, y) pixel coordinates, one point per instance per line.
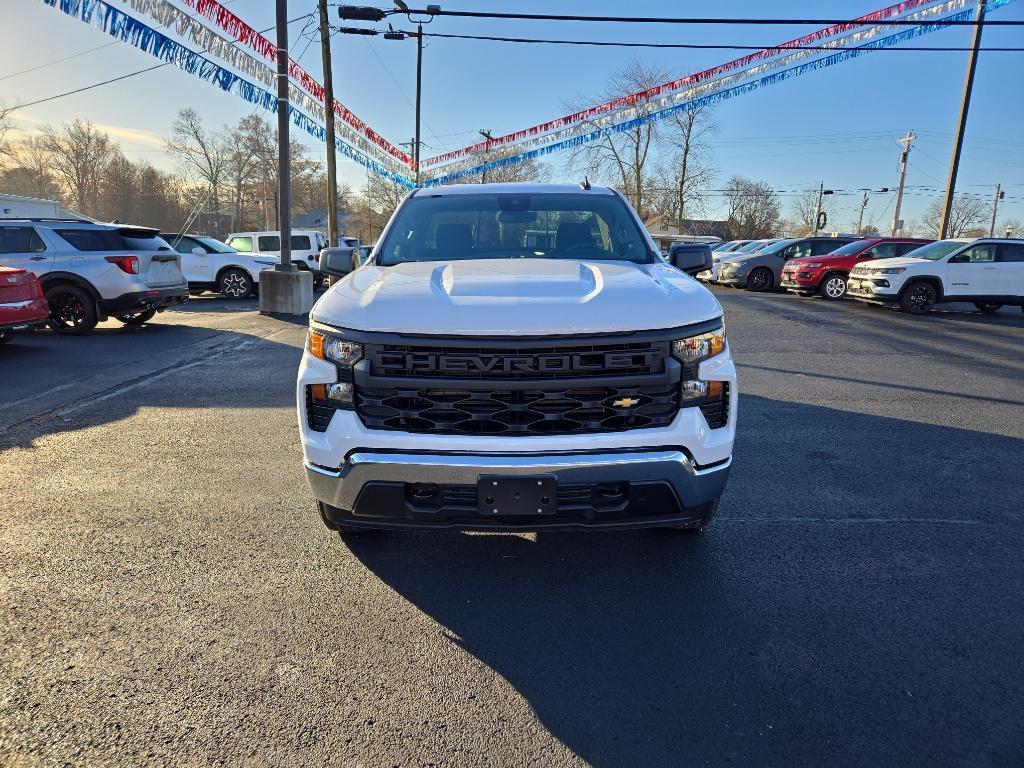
(184, 245)
(20, 240)
(904, 248)
(269, 243)
(978, 254)
(299, 243)
(241, 243)
(821, 247)
(797, 250)
(1011, 252)
(883, 251)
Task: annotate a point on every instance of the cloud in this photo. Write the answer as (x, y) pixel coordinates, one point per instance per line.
(119, 132)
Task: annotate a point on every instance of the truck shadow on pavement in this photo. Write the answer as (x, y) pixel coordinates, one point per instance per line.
(848, 607)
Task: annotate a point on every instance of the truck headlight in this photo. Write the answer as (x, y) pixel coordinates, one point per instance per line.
(334, 349)
(697, 348)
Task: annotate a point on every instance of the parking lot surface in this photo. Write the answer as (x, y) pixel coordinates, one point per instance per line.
(168, 595)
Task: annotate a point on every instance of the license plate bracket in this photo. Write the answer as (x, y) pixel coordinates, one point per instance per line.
(529, 495)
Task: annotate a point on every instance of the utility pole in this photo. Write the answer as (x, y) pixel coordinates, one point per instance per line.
(965, 104)
(995, 206)
(284, 171)
(419, 94)
(817, 209)
(863, 205)
(332, 160)
(488, 138)
(906, 141)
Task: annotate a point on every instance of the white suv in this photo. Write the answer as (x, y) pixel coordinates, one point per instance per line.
(475, 375)
(986, 272)
(91, 271)
(210, 265)
(306, 246)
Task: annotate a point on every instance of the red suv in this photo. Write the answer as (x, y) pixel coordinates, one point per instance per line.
(827, 274)
(22, 305)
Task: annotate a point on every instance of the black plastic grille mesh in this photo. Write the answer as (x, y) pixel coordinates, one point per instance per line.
(528, 412)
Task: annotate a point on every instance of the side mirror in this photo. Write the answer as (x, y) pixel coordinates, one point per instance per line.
(197, 251)
(691, 258)
(336, 261)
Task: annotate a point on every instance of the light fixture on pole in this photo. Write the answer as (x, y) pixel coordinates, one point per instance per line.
(820, 217)
(864, 204)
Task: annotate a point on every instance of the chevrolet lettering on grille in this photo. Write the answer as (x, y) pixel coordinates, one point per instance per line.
(412, 362)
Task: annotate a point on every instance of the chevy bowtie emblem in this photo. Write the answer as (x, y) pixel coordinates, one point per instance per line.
(626, 402)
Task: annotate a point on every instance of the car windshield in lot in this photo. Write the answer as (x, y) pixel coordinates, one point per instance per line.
(936, 251)
(215, 246)
(753, 245)
(501, 226)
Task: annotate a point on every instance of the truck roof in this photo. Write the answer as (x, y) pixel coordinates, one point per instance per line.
(511, 188)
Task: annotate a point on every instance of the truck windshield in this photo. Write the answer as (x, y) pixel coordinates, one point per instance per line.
(552, 225)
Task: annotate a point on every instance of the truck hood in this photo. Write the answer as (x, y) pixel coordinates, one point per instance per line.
(503, 297)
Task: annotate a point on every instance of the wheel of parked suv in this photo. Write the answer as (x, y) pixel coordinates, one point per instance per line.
(833, 286)
(760, 279)
(988, 306)
(918, 298)
(4, 337)
(72, 310)
(235, 284)
(136, 318)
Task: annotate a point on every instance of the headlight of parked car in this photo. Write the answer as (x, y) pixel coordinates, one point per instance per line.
(893, 270)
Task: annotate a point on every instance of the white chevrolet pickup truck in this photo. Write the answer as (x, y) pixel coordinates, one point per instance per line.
(517, 357)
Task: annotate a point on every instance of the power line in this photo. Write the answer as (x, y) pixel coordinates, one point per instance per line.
(709, 20)
(701, 46)
(58, 61)
(125, 77)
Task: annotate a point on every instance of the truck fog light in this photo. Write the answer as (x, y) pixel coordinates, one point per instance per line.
(340, 392)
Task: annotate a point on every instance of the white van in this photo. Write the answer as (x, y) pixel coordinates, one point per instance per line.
(306, 246)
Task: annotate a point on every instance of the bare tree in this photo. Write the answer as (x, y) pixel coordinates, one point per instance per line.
(805, 209)
(754, 209)
(200, 152)
(965, 214)
(79, 154)
(6, 126)
(686, 134)
(625, 157)
(29, 172)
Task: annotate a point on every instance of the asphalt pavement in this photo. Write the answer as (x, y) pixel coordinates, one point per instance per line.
(168, 595)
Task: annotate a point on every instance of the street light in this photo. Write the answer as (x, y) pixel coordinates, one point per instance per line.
(818, 213)
(365, 13)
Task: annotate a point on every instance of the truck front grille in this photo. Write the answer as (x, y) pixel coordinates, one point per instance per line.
(540, 411)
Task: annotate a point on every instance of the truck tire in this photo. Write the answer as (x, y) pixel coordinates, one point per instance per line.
(918, 298)
(833, 286)
(699, 526)
(761, 279)
(340, 528)
(72, 309)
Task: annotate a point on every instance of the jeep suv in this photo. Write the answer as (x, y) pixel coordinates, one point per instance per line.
(516, 357)
(827, 274)
(986, 272)
(90, 271)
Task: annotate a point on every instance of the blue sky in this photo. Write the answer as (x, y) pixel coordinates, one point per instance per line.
(838, 125)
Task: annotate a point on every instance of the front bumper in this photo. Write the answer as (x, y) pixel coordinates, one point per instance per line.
(792, 282)
(632, 489)
(159, 299)
(865, 289)
(733, 278)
